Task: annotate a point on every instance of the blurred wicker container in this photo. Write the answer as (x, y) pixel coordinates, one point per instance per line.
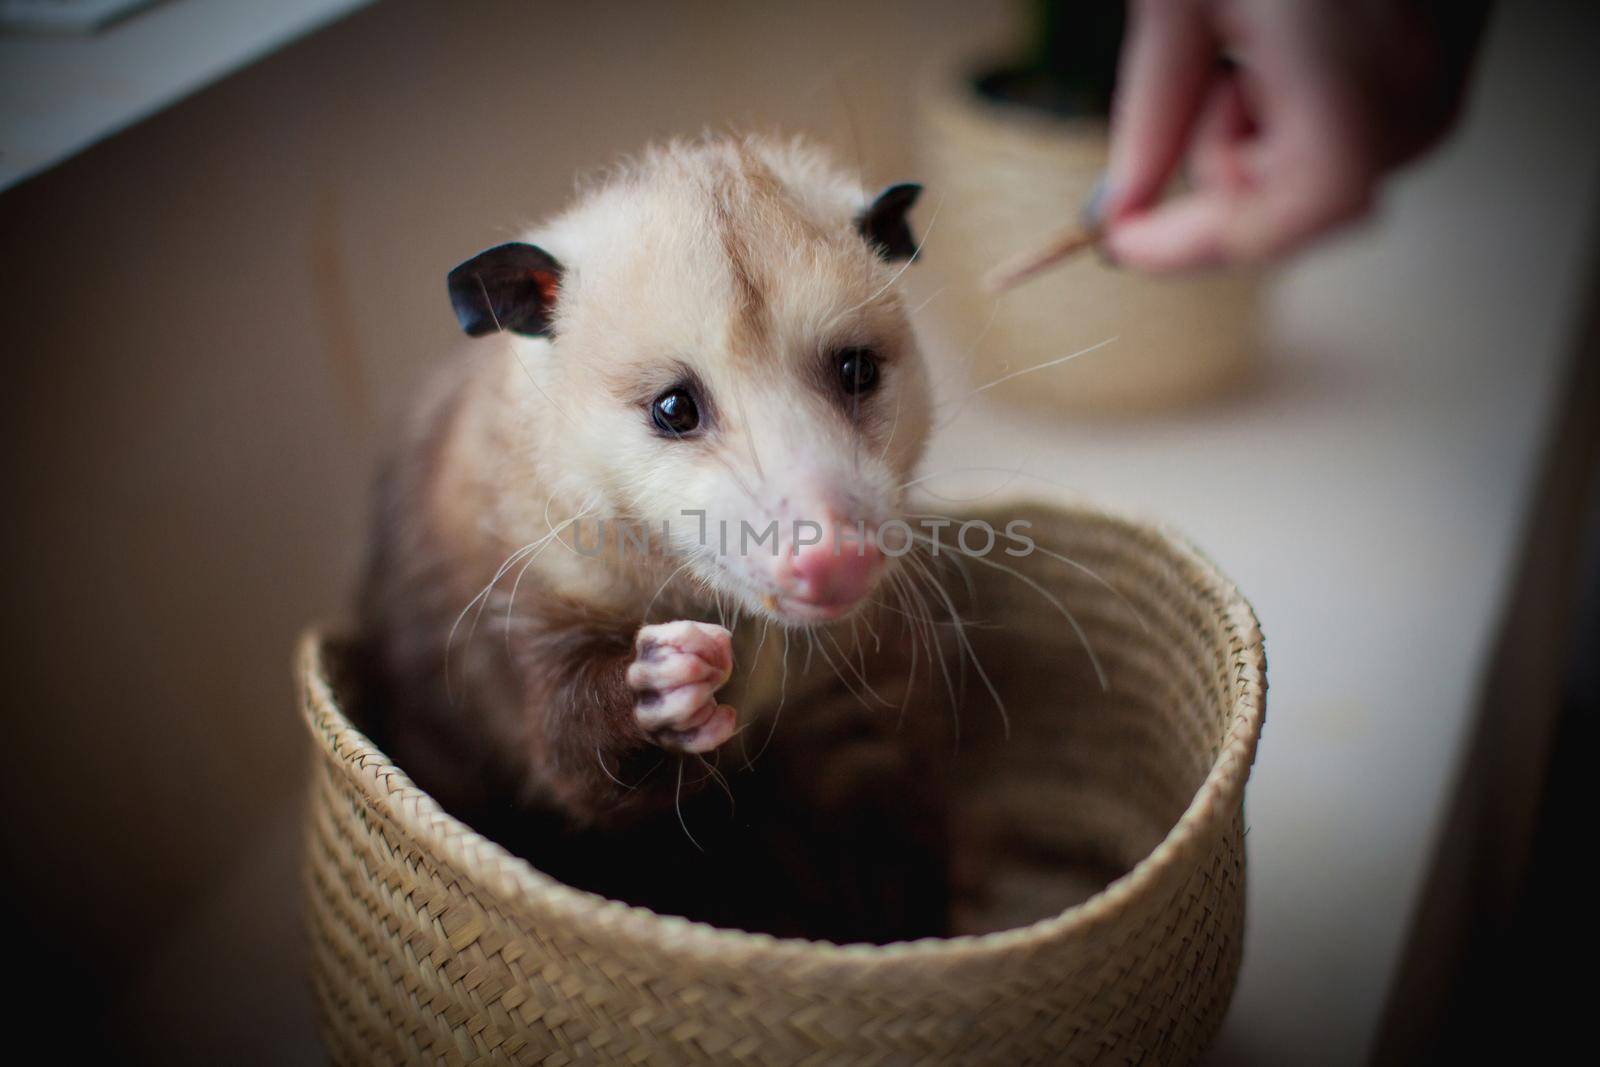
(432, 944)
(1001, 179)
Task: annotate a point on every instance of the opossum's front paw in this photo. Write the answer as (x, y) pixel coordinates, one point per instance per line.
(676, 671)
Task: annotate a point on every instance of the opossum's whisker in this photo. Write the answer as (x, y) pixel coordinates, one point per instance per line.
(877, 642)
(783, 686)
(591, 503)
(1094, 660)
(922, 613)
(732, 471)
(936, 653)
(749, 438)
(450, 638)
(900, 612)
(929, 632)
(783, 695)
(966, 643)
(845, 681)
(1047, 364)
(894, 427)
(750, 672)
(517, 355)
(511, 602)
(766, 624)
(962, 405)
(1014, 472)
(934, 556)
(967, 362)
(933, 218)
(855, 419)
(677, 805)
(718, 777)
(600, 759)
(645, 618)
(948, 499)
(928, 300)
(966, 575)
(912, 639)
(859, 675)
(911, 682)
(1077, 565)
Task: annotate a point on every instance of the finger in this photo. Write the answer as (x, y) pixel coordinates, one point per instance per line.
(711, 642)
(1313, 170)
(671, 671)
(1217, 158)
(710, 729)
(1167, 61)
(1182, 234)
(661, 706)
(1320, 198)
(1235, 226)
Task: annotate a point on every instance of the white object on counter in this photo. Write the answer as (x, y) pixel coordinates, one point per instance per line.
(58, 95)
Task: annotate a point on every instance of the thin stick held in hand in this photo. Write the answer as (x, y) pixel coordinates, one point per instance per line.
(1067, 241)
(1018, 269)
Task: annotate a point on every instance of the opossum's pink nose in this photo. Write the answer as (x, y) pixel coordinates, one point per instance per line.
(831, 575)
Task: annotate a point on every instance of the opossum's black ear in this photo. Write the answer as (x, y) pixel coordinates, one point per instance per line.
(509, 287)
(883, 222)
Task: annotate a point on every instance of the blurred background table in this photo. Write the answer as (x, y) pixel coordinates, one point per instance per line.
(209, 314)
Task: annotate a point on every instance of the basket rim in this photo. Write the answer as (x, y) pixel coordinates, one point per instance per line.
(514, 883)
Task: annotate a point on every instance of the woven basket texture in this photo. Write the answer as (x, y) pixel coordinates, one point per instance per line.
(431, 944)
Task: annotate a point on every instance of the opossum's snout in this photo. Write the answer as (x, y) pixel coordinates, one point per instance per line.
(825, 576)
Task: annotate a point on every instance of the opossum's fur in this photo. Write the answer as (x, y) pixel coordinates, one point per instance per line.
(737, 261)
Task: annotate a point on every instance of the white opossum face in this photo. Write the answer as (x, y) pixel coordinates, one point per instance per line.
(734, 369)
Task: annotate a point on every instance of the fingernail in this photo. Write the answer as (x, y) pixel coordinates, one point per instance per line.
(1093, 212)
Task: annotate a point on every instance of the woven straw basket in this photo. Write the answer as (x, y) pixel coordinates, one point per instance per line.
(433, 945)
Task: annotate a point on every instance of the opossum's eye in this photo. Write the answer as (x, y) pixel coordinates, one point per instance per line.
(675, 413)
(858, 370)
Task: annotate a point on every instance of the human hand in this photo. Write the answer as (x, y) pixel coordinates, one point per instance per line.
(1288, 114)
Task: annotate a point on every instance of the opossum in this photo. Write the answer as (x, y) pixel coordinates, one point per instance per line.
(693, 396)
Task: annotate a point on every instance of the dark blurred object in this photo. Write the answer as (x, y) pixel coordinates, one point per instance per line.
(1493, 934)
(1071, 63)
(1441, 51)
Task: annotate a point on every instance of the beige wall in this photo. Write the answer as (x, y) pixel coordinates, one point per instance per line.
(204, 320)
